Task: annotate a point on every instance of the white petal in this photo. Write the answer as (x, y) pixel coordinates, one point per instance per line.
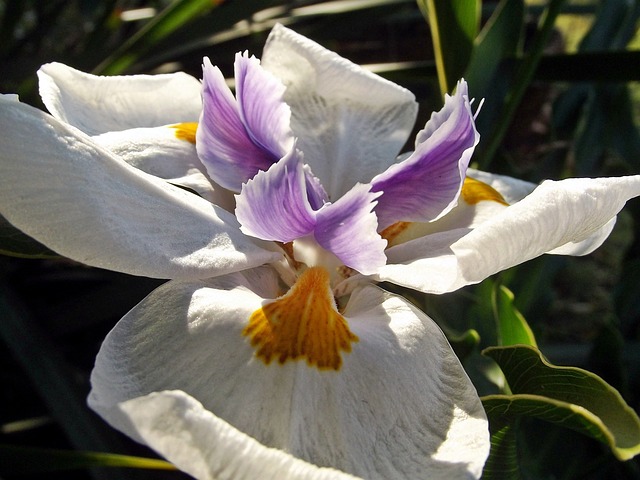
(570, 217)
(83, 202)
(350, 123)
(176, 423)
(158, 151)
(96, 104)
(400, 407)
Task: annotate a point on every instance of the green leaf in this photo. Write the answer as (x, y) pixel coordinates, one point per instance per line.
(499, 40)
(464, 343)
(567, 396)
(502, 463)
(14, 243)
(513, 329)
(26, 460)
(454, 27)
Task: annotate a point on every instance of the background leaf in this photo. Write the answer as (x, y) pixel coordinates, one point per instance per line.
(513, 329)
(454, 26)
(568, 396)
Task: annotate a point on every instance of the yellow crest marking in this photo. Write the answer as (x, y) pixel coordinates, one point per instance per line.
(474, 191)
(303, 323)
(186, 131)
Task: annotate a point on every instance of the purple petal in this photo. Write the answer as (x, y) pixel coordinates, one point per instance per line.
(426, 185)
(274, 204)
(315, 191)
(223, 144)
(348, 228)
(262, 109)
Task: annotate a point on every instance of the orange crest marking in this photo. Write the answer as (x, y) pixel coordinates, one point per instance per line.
(474, 191)
(303, 323)
(186, 131)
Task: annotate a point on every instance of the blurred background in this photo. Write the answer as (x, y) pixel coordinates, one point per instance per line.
(562, 99)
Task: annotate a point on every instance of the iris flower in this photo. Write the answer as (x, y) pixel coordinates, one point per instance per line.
(271, 352)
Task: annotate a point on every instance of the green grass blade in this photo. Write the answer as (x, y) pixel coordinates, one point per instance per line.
(26, 460)
(173, 17)
(454, 27)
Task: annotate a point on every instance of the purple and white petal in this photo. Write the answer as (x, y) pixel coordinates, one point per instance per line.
(99, 104)
(348, 229)
(262, 109)
(571, 216)
(350, 123)
(222, 141)
(85, 203)
(273, 205)
(426, 185)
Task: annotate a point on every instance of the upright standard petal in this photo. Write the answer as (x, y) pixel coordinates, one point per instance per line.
(426, 185)
(348, 229)
(96, 104)
(80, 200)
(350, 123)
(223, 142)
(400, 406)
(262, 108)
(571, 216)
(274, 205)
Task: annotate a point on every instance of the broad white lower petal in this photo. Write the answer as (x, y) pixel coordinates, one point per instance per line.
(80, 200)
(350, 123)
(175, 423)
(161, 151)
(568, 217)
(99, 104)
(400, 406)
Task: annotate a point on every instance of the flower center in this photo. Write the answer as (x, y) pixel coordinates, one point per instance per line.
(303, 323)
(186, 131)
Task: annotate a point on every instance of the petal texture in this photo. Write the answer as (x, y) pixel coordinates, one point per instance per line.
(164, 419)
(274, 205)
(426, 185)
(571, 216)
(262, 108)
(350, 123)
(96, 104)
(83, 202)
(400, 407)
(348, 229)
(161, 152)
(223, 141)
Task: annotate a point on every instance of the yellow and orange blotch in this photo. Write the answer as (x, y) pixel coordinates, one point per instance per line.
(302, 324)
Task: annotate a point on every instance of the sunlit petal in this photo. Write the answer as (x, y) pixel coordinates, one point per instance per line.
(96, 104)
(350, 218)
(274, 205)
(223, 143)
(262, 109)
(426, 185)
(400, 406)
(80, 200)
(351, 124)
(210, 448)
(163, 152)
(572, 216)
